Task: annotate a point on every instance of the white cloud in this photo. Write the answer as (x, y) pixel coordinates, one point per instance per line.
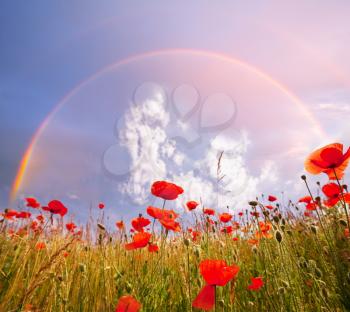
(154, 155)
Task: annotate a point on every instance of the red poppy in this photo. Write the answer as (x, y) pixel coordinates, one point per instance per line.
(128, 304)
(71, 226)
(307, 214)
(56, 207)
(140, 240)
(159, 213)
(209, 211)
(166, 190)
(269, 207)
(153, 248)
(23, 215)
(101, 205)
(40, 218)
(10, 214)
(329, 159)
(32, 202)
(334, 194)
(195, 235)
(272, 198)
(225, 217)
(120, 225)
(255, 214)
(40, 246)
(191, 205)
(310, 204)
(256, 284)
(215, 273)
(171, 224)
(235, 239)
(139, 223)
(227, 229)
(240, 214)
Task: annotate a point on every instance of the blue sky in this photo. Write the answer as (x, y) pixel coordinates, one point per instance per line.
(48, 48)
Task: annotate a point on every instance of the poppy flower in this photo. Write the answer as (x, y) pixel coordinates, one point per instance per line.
(40, 218)
(256, 283)
(235, 239)
(329, 159)
(153, 248)
(225, 217)
(101, 205)
(71, 226)
(272, 198)
(264, 230)
(120, 225)
(32, 202)
(140, 240)
(128, 303)
(255, 214)
(139, 223)
(215, 273)
(270, 207)
(166, 190)
(227, 230)
(40, 246)
(23, 215)
(10, 214)
(240, 214)
(191, 205)
(170, 225)
(209, 211)
(56, 207)
(195, 235)
(310, 204)
(159, 213)
(334, 194)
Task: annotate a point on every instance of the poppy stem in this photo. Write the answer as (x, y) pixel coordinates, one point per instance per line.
(343, 199)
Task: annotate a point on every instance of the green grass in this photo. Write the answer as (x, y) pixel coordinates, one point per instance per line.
(308, 270)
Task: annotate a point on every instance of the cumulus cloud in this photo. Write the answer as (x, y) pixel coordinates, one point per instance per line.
(147, 136)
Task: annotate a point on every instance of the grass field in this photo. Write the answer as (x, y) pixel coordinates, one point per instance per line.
(297, 255)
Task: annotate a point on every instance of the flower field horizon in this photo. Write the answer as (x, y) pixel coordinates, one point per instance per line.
(271, 256)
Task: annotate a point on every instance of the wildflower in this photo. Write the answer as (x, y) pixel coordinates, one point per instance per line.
(215, 273)
(256, 283)
(166, 190)
(120, 225)
(272, 198)
(329, 159)
(128, 303)
(32, 202)
(40, 218)
(191, 205)
(209, 211)
(101, 205)
(240, 214)
(139, 223)
(40, 246)
(153, 247)
(140, 240)
(334, 194)
(56, 207)
(10, 214)
(270, 207)
(310, 204)
(159, 214)
(227, 230)
(70, 226)
(225, 217)
(23, 215)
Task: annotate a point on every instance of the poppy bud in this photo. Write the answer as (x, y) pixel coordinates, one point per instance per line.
(276, 219)
(313, 229)
(221, 303)
(342, 222)
(253, 203)
(303, 177)
(254, 249)
(318, 183)
(101, 226)
(285, 284)
(318, 273)
(82, 267)
(186, 242)
(266, 213)
(278, 236)
(282, 290)
(282, 227)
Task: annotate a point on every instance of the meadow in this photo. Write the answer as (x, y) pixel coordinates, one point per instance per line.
(268, 257)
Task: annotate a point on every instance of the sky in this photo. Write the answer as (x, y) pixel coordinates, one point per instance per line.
(281, 54)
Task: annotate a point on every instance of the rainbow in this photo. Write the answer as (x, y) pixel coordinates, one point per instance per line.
(23, 166)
